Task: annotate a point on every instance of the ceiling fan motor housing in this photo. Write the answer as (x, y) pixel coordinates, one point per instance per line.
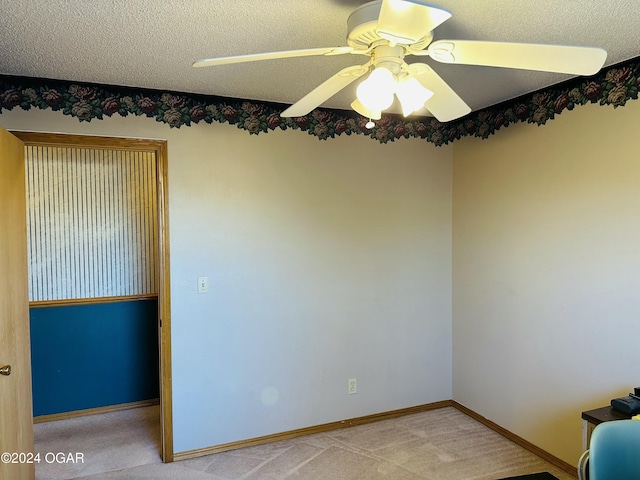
(388, 57)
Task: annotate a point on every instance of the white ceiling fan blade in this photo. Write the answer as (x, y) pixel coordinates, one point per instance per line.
(527, 56)
(444, 104)
(307, 52)
(407, 21)
(325, 90)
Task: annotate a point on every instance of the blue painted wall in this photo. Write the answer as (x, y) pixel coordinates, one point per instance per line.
(94, 355)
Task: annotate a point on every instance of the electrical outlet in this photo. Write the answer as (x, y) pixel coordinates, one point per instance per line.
(203, 284)
(352, 387)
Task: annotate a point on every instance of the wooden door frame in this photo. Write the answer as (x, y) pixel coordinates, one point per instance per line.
(15, 390)
(159, 147)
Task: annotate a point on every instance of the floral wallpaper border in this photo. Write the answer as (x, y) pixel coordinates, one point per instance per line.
(612, 86)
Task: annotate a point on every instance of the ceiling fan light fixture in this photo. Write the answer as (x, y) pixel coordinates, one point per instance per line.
(412, 95)
(376, 92)
(389, 30)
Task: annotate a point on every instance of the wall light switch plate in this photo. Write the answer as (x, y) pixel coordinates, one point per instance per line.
(203, 284)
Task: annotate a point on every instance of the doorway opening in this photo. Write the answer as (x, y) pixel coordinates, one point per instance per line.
(114, 290)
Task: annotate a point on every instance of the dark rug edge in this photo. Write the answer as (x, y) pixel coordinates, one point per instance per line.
(533, 476)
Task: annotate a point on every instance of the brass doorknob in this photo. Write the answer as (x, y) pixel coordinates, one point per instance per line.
(6, 370)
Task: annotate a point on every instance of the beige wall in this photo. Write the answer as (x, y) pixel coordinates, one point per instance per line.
(331, 260)
(327, 260)
(546, 272)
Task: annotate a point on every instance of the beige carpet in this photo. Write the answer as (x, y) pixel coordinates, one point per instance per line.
(107, 442)
(441, 444)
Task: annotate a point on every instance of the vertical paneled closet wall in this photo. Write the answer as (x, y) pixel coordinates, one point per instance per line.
(93, 280)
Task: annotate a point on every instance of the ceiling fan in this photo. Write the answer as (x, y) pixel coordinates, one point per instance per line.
(387, 31)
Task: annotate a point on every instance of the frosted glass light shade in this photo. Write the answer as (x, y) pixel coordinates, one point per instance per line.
(364, 111)
(376, 92)
(412, 95)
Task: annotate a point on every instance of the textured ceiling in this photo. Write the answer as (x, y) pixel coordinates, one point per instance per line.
(152, 43)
